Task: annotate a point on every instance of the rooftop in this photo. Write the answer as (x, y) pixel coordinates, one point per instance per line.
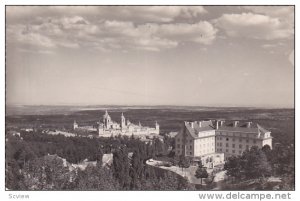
(247, 127)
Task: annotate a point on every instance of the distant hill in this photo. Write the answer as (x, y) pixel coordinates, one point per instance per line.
(68, 109)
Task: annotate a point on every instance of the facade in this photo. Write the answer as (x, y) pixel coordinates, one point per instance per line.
(218, 139)
(108, 127)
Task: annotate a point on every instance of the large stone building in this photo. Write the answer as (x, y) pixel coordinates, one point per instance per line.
(108, 127)
(214, 141)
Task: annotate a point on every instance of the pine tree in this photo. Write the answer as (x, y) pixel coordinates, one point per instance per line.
(201, 172)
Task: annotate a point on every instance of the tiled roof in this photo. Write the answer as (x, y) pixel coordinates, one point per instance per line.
(194, 128)
(238, 129)
(193, 131)
(243, 128)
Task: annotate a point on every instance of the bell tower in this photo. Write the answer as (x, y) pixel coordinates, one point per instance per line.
(106, 120)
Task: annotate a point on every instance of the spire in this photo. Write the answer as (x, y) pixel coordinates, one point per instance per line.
(106, 114)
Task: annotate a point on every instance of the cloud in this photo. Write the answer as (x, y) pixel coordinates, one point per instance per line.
(22, 35)
(202, 32)
(273, 11)
(104, 35)
(106, 28)
(255, 26)
(131, 13)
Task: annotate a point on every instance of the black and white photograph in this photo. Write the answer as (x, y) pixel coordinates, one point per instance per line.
(149, 98)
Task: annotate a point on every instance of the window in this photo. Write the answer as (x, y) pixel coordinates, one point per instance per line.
(227, 139)
(233, 145)
(191, 147)
(190, 153)
(247, 140)
(182, 146)
(227, 145)
(220, 144)
(233, 139)
(240, 146)
(178, 146)
(220, 150)
(191, 141)
(226, 150)
(233, 151)
(254, 141)
(241, 140)
(178, 139)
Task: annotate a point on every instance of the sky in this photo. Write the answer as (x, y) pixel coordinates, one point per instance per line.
(150, 55)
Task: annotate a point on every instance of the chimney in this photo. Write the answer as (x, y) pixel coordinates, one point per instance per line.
(217, 125)
(192, 124)
(200, 124)
(249, 124)
(236, 123)
(222, 122)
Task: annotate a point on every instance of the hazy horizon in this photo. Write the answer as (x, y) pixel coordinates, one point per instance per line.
(202, 56)
(124, 105)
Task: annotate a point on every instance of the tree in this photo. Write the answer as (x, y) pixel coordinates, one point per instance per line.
(136, 170)
(121, 167)
(183, 183)
(46, 173)
(254, 164)
(96, 178)
(183, 162)
(201, 172)
(233, 167)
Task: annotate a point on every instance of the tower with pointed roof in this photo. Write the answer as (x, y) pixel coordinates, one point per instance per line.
(106, 120)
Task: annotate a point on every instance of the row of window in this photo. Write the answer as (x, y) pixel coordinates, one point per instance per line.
(227, 151)
(233, 134)
(233, 139)
(200, 145)
(219, 144)
(217, 138)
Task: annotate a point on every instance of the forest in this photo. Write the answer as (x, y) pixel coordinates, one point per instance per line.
(34, 162)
